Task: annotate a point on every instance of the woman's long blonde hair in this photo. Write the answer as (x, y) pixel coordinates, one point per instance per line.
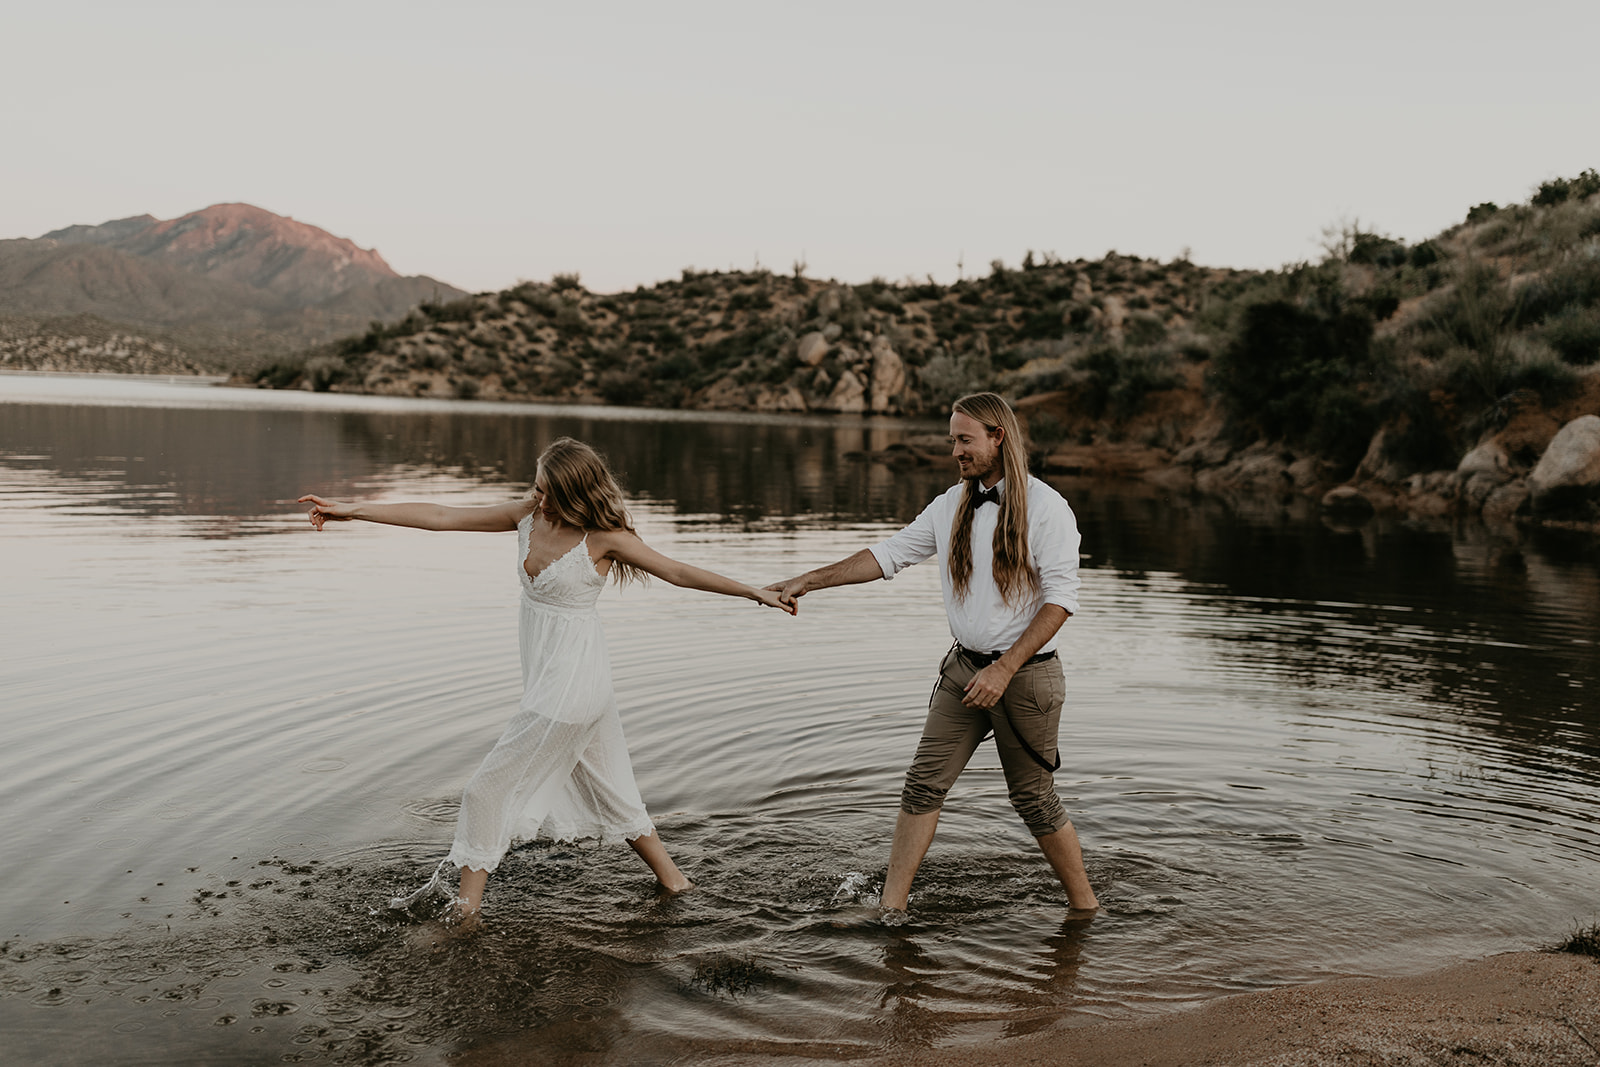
(581, 492)
(1014, 573)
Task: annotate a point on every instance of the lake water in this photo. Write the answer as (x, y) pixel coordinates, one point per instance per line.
(1292, 750)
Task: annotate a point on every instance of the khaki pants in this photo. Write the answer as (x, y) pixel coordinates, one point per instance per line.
(1031, 705)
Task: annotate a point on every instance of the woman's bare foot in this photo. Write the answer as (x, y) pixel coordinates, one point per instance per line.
(680, 884)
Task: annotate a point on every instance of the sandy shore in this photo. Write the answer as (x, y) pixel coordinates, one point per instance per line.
(1523, 1009)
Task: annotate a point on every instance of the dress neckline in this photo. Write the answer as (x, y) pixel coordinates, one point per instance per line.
(582, 543)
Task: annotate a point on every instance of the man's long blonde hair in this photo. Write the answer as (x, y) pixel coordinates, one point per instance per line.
(1014, 573)
(581, 491)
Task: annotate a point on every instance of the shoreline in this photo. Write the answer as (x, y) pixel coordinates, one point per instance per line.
(1521, 1009)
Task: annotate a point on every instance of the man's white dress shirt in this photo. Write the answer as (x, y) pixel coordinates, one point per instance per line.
(984, 622)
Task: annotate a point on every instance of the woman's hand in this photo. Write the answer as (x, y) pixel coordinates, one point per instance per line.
(327, 510)
(774, 600)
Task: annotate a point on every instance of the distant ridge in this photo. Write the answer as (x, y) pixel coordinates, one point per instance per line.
(225, 284)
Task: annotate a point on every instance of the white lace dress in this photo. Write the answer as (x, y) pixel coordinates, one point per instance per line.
(560, 771)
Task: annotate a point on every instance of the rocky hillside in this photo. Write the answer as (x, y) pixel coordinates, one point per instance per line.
(764, 342)
(221, 287)
(1431, 378)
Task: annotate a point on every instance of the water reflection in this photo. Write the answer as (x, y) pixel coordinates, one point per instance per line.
(231, 746)
(245, 463)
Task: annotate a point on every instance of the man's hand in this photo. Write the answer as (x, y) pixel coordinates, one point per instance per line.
(790, 591)
(988, 686)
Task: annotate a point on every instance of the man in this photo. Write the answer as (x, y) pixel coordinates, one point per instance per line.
(1007, 546)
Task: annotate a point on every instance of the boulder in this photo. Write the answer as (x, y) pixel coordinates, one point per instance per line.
(1481, 484)
(888, 376)
(1488, 458)
(1505, 502)
(812, 348)
(1567, 477)
(1347, 500)
(831, 332)
(780, 398)
(849, 395)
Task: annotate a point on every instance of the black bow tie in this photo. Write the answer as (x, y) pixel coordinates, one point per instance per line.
(986, 496)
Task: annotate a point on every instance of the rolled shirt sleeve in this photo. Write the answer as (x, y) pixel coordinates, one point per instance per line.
(1055, 551)
(915, 542)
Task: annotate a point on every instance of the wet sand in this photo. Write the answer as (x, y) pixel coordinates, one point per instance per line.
(1523, 1009)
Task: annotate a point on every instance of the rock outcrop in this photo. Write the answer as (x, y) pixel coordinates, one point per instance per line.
(1567, 477)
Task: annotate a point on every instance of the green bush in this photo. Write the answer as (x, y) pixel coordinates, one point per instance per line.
(323, 372)
(1574, 333)
(1114, 382)
(1376, 250)
(1482, 211)
(281, 373)
(1294, 371)
(1560, 190)
(623, 387)
(455, 311)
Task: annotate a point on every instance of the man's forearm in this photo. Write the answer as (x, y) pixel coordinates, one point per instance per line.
(1039, 632)
(852, 570)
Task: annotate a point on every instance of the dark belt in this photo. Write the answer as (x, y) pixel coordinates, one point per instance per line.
(983, 659)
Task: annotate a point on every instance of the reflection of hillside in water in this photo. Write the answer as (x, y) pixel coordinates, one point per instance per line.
(247, 464)
(1502, 633)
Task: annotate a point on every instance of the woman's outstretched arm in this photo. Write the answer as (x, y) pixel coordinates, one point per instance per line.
(627, 547)
(493, 518)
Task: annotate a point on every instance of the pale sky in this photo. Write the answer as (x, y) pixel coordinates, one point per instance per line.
(483, 143)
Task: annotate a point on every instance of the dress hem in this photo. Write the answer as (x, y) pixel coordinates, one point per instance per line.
(608, 836)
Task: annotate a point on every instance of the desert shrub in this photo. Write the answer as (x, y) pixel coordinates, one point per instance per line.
(1141, 330)
(1040, 325)
(466, 389)
(480, 364)
(663, 335)
(1574, 282)
(1418, 437)
(323, 372)
(1425, 254)
(569, 320)
(1480, 212)
(563, 282)
(623, 387)
(1293, 370)
(1477, 313)
(1376, 249)
(1574, 334)
(1560, 190)
(281, 373)
(750, 300)
(947, 377)
(455, 311)
(676, 367)
(1114, 382)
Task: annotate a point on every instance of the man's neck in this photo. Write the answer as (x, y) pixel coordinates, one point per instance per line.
(989, 481)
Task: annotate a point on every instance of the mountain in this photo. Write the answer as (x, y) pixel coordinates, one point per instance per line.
(226, 285)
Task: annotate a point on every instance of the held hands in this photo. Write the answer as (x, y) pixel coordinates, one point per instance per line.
(773, 600)
(327, 510)
(789, 593)
(987, 686)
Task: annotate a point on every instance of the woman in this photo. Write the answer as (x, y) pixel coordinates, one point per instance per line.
(560, 770)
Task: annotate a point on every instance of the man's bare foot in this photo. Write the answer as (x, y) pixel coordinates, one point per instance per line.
(680, 884)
